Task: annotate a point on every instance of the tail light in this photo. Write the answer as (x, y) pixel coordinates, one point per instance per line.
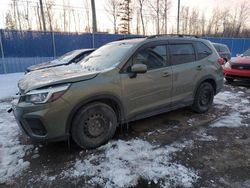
(221, 61)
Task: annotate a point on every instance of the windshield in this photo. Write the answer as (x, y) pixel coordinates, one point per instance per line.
(247, 53)
(68, 56)
(107, 56)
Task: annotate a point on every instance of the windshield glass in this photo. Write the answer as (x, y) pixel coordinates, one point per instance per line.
(107, 56)
(68, 56)
(247, 53)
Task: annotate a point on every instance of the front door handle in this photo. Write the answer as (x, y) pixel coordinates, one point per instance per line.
(165, 74)
(199, 68)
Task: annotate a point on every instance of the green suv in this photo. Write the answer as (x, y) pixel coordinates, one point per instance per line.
(120, 82)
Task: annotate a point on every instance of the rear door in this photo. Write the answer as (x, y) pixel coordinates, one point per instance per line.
(186, 71)
(151, 90)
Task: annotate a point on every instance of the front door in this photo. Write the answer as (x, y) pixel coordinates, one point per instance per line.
(151, 90)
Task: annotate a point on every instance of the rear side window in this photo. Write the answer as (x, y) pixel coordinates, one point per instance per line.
(202, 50)
(224, 49)
(181, 53)
(217, 47)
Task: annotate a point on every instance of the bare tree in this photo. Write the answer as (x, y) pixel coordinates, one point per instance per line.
(141, 2)
(87, 13)
(242, 16)
(112, 9)
(155, 6)
(167, 5)
(184, 19)
(49, 13)
(37, 16)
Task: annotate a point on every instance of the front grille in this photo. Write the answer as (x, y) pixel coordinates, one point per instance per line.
(241, 66)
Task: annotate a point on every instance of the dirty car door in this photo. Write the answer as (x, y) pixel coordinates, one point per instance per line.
(151, 90)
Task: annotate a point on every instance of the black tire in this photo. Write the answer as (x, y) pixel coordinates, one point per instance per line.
(203, 98)
(229, 80)
(94, 125)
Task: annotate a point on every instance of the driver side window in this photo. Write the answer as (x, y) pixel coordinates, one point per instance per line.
(154, 57)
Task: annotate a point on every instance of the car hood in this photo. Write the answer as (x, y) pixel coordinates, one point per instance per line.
(56, 75)
(241, 60)
(48, 64)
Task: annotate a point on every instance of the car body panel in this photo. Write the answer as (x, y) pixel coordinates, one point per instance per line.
(145, 91)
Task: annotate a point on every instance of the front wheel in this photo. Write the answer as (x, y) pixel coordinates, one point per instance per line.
(203, 98)
(94, 125)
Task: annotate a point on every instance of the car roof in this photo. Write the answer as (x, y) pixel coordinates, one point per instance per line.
(160, 38)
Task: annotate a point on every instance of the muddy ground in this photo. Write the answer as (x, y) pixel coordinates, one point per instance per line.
(220, 156)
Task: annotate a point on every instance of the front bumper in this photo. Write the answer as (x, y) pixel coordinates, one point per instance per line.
(43, 122)
(236, 73)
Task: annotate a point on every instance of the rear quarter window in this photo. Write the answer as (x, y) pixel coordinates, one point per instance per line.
(224, 48)
(181, 53)
(202, 50)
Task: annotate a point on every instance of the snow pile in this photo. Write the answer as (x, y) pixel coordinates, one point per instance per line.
(11, 150)
(123, 163)
(237, 103)
(8, 85)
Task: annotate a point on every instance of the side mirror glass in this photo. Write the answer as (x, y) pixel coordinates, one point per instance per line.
(139, 68)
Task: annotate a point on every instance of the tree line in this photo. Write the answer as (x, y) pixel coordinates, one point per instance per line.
(143, 17)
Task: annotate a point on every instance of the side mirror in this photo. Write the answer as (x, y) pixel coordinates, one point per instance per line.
(139, 68)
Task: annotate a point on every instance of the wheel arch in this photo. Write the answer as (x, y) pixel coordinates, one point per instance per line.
(210, 79)
(108, 99)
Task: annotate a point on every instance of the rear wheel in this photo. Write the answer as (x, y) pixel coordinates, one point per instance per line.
(203, 98)
(229, 79)
(94, 125)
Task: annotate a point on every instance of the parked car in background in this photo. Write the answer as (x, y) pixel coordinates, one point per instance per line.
(238, 67)
(120, 82)
(71, 57)
(223, 51)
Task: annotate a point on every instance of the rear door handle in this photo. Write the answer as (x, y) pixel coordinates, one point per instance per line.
(165, 74)
(199, 68)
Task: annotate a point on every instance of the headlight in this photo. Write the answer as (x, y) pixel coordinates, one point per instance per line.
(45, 95)
(228, 65)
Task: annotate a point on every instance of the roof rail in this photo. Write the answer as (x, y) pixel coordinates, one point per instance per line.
(129, 37)
(172, 35)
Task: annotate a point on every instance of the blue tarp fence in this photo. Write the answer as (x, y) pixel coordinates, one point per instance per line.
(20, 49)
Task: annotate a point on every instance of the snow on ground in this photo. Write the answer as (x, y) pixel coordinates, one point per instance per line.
(201, 135)
(123, 163)
(12, 151)
(8, 85)
(238, 104)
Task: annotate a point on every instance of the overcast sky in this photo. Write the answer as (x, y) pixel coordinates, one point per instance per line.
(103, 20)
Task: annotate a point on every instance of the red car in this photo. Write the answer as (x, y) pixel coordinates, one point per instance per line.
(238, 67)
